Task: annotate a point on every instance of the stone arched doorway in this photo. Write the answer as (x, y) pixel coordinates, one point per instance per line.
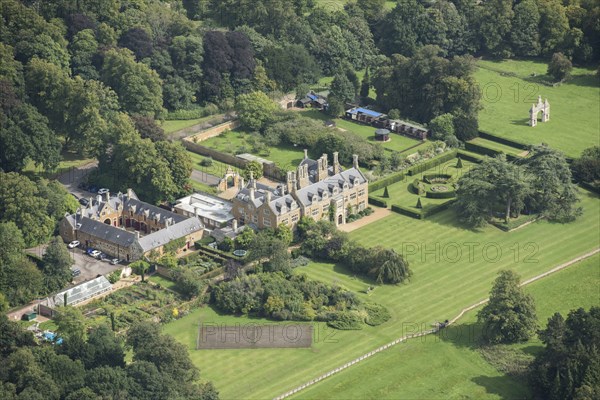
(340, 219)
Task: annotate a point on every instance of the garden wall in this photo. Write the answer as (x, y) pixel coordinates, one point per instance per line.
(214, 131)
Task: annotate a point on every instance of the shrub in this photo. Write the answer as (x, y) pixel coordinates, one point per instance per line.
(376, 314)
(206, 162)
(346, 320)
(434, 162)
(114, 276)
(226, 245)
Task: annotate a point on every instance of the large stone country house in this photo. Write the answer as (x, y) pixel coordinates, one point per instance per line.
(315, 189)
(122, 226)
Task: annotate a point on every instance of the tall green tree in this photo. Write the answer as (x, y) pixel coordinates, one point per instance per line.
(586, 168)
(138, 87)
(70, 323)
(525, 35)
(255, 110)
(509, 316)
(56, 265)
(83, 48)
(560, 67)
(342, 88)
(20, 203)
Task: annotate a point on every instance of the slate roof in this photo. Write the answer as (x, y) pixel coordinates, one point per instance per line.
(279, 204)
(105, 232)
(316, 191)
(171, 232)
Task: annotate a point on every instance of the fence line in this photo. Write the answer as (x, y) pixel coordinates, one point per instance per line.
(435, 330)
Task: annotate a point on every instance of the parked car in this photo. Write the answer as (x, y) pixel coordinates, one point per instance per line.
(75, 272)
(95, 253)
(84, 202)
(103, 191)
(115, 261)
(73, 244)
(103, 257)
(92, 189)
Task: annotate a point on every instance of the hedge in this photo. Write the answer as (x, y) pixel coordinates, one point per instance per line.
(407, 211)
(433, 162)
(388, 180)
(498, 139)
(377, 202)
(426, 212)
(428, 177)
(440, 195)
(194, 113)
(590, 186)
(429, 211)
(515, 223)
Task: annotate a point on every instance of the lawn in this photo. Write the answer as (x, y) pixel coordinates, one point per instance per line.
(217, 168)
(509, 89)
(237, 141)
(179, 124)
(451, 368)
(444, 282)
(402, 193)
(397, 143)
(497, 146)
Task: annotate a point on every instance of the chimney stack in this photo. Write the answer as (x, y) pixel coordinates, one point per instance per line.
(107, 196)
(252, 193)
(305, 154)
(234, 225)
(268, 196)
(137, 234)
(99, 199)
(336, 163)
(355, 161)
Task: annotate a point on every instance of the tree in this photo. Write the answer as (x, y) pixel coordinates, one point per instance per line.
(419, 205)
(83, 49)
(284, 233)
(148, 128)
(586, 168)
(391, 266)
(553, 193)
(243, 240)
(20, 203)
(365, 85)
(525, 35)
(57, 265)
(104, 349)
(560, 67)
(253, 169)
(290, 65)
(336, 106)
(138, 41)
(138, 87)
(386, 194)
(70, 323)
(509, 316)
(567, 367)
(178, 160)
(255, 110)
(188, 282)
(140, 267)
(342, 88)
(232, 269)
(494, 186)
(459, 163)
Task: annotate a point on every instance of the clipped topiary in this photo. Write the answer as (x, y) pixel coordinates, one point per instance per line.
(386, 193)
(459, 163)
(419, 205)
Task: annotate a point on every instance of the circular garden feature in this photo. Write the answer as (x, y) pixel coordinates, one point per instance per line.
(435, 186)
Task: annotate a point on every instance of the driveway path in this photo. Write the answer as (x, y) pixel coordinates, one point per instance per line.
(404, 338)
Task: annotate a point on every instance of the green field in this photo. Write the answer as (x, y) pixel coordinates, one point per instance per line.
(68, 160)
(164, 282)
(443, 283)
(509, 89)
(447, 366)
(401, 192)
(217, 168)
(398, 143)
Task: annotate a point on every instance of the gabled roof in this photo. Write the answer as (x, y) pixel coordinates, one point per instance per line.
(172, 232)
(315, 191)
(366, 111)
(107, 233)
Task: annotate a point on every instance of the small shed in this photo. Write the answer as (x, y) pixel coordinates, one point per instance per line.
(382, 134)
(29, 316)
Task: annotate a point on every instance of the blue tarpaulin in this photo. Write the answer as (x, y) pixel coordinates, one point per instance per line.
(365, 111)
